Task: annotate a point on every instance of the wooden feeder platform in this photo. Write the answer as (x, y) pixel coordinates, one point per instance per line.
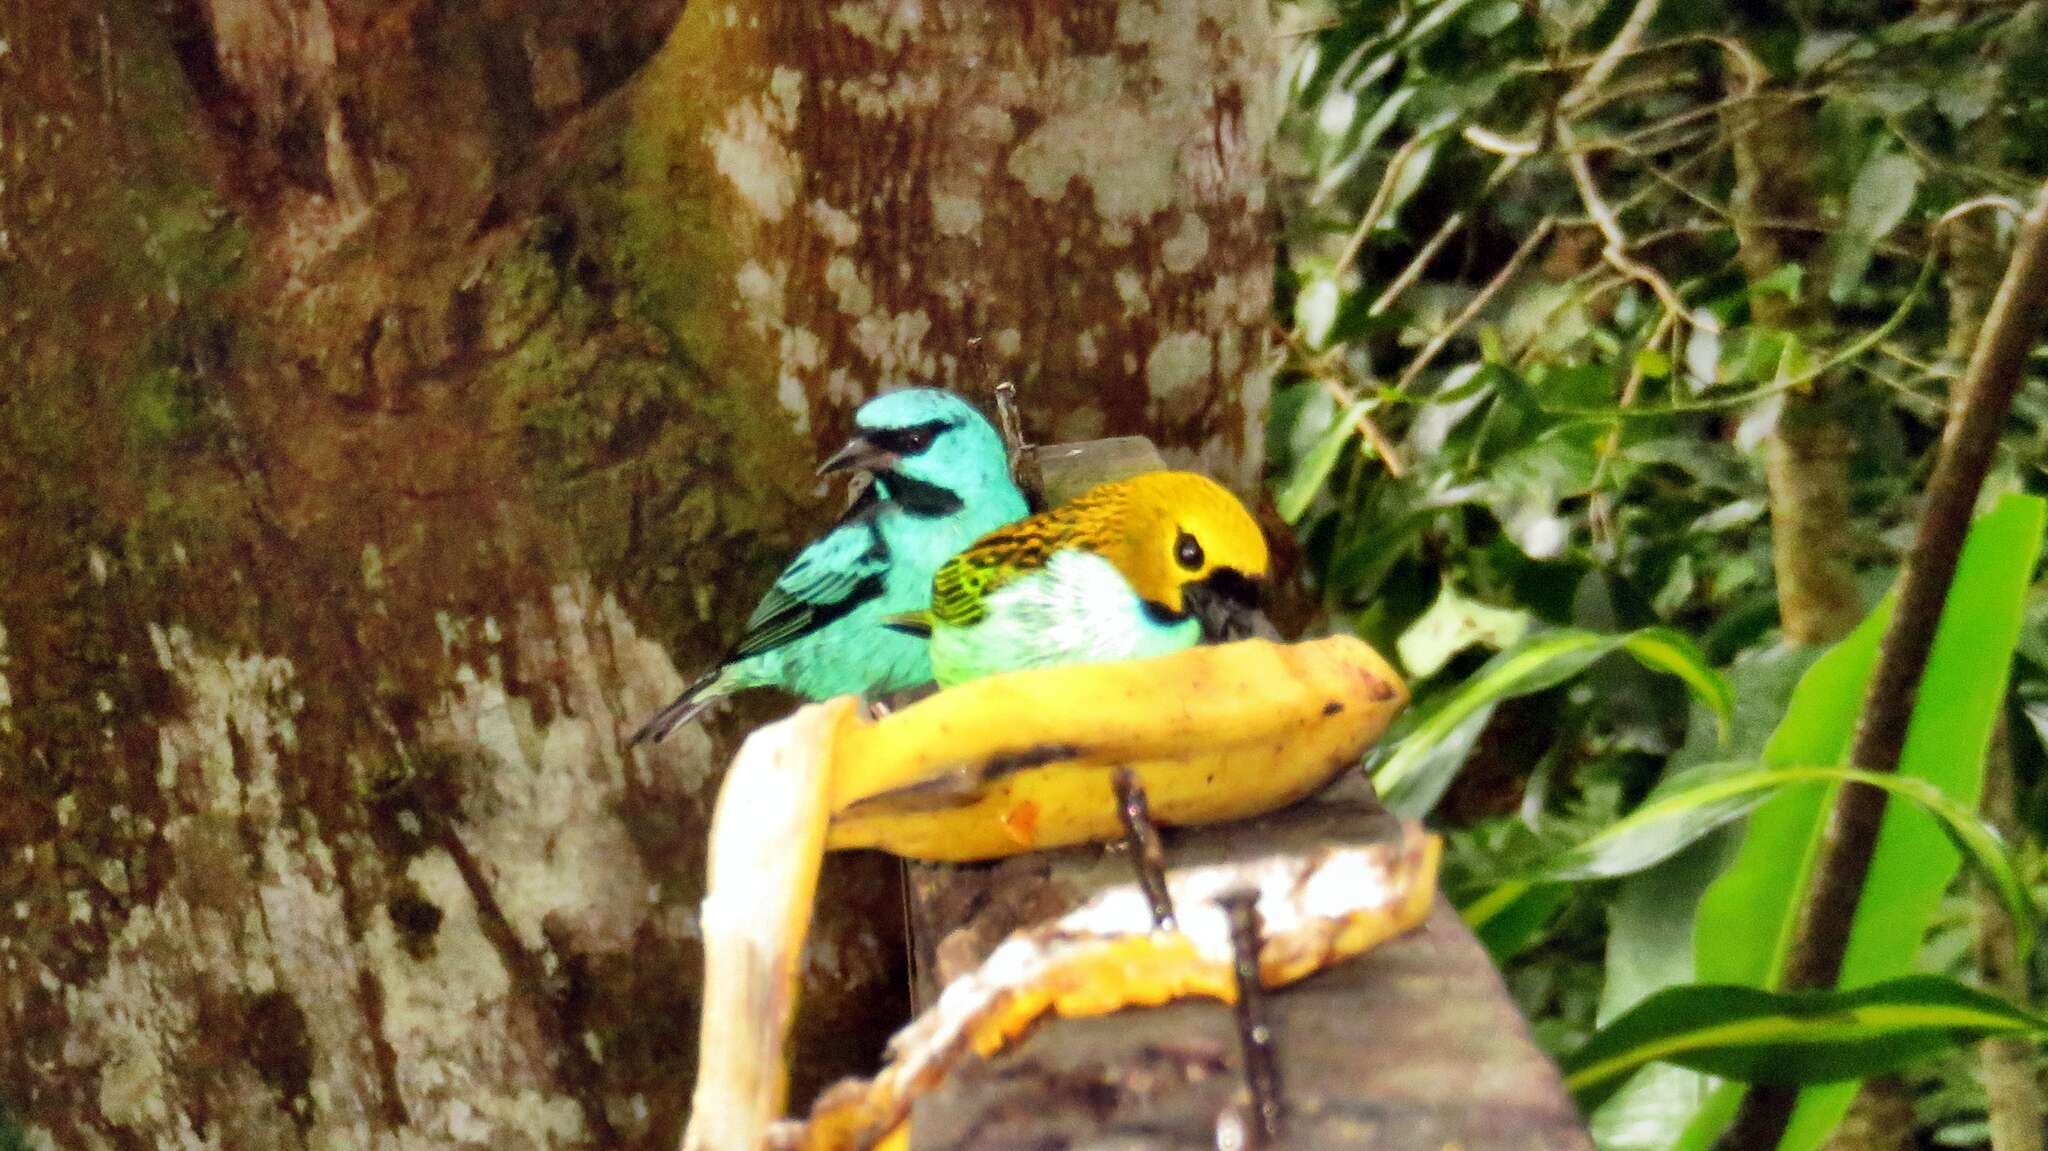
(1416, 1046)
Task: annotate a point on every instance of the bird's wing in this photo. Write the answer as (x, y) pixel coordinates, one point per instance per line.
(838, 572)
(963, 584)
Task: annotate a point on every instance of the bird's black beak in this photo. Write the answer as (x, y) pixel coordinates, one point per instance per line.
(1226, 603)
(859, 454)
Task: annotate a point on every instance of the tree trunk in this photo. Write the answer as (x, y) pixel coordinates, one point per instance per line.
(401, 397)
(1807, 460)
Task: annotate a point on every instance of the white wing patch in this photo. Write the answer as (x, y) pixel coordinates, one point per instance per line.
(1078, 609)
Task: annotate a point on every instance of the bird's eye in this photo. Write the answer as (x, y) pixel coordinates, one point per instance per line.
(917, 439)
(1187, 552)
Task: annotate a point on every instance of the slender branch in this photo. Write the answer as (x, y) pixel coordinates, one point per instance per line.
(1390, 456)
(1616, 251)
(1414, 270)
(1625, 42)
(1983, 402)
(1374, 437)
(1636, 90)
(1477, 304)
(1325, 368)
(1381, 198)
(1602, 506)
(1435, 243)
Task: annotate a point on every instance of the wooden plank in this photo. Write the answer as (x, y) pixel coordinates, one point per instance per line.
(1062, 471)
(1414, 1047)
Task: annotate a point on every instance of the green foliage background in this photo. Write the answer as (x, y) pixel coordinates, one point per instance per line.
(1560, 278)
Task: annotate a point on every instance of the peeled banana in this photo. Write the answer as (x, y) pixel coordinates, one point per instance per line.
(1022, 762)
(1105, 956)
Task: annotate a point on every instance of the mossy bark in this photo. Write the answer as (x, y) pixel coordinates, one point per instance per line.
(1807, 460)
(399, 397)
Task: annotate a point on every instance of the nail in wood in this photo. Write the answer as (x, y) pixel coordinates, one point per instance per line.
(1254, 1034)
(1146, 852)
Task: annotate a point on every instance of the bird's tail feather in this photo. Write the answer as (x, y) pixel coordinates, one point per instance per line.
(696, 698)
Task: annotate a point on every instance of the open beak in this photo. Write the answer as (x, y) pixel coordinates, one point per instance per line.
(859, 454)
(1227, 606)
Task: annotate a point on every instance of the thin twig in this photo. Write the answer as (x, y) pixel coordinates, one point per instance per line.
(1324, 368)
(1631, 147)
(1390, 456)
(1598, 282)
(1368, 428)
(1254, 1032)
(1602, 517)
(1968, 444)
(1141, 838)
(2006, 204)
(1635, 90)
(1624, 44)
(1616, 250)
(1477, 304)
(1413, 272)
(1711, 110)
(1848, 352)
(1381, 198)
(1487, 140)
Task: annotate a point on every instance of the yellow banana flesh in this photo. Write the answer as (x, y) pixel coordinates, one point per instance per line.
(1022, 762)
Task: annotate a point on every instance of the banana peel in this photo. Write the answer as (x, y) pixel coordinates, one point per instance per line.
(767, 847)
(1022, 762)
(1104, 956)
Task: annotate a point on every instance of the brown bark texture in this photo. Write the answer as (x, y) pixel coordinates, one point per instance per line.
(400, 398)
(1807, 460)
(2015, 1108)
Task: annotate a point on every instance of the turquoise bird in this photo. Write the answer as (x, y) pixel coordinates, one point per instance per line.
(941, 479)
(1131, 569)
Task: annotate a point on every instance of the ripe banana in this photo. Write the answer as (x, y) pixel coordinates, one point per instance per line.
(1021, 762)
(1011, 763)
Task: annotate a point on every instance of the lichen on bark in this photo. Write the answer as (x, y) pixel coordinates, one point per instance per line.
(402, 398)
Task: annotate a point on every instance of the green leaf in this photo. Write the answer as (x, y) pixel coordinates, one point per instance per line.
(1648, 1111)
(1513, 915)
(1878, 201)
(1313, 471)
(1785, 281)
(1453, 623)
(1816, 729)
(1758, 1036)
(1661, 829)
(1415, 772)
(1525, 486)
(1747, 919)
(1650, 920)
(1653, 364)
(1662, 649)
(1315, 311)
(1958, 703)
